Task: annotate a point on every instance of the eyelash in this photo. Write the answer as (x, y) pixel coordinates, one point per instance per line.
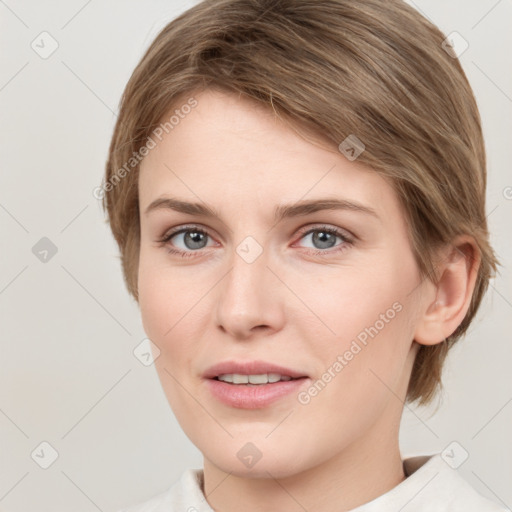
(346, 240)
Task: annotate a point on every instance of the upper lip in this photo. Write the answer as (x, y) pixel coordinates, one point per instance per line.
(249, 368)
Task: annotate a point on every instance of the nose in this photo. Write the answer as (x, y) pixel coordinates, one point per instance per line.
(249, 298)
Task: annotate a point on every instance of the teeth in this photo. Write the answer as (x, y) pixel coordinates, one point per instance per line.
(258, 379)
(240, 379)
(274, 377)
(264, 378)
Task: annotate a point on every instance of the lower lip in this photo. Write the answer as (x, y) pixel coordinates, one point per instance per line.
(253, 397)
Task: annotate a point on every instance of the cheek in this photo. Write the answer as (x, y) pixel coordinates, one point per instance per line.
(163, 296)
(353, 302)
(366, 322)
(167, 312)
(362, 368)
(162, 304)
(173, 309)
(154, 300)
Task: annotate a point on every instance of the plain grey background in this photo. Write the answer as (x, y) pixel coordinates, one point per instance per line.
(68, 374)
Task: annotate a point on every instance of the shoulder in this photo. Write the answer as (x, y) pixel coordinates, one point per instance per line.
(184, 496)
(431, 485)
(440, 487)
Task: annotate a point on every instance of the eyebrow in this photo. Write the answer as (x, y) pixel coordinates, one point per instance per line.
(281, 211)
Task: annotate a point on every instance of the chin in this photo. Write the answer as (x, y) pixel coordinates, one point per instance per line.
(269, 459)
(262, 469)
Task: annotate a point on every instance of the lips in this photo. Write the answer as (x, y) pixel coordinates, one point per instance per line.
(242, 384)
(251, 368)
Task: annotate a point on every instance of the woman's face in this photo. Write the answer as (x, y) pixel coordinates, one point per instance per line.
(274, 282)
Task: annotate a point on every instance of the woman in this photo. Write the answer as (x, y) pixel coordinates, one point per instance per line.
(297, 189)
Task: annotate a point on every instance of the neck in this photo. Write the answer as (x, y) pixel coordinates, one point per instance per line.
(368, 468)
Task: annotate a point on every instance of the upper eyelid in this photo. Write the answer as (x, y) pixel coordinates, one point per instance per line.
(343, 231)
(180, 229)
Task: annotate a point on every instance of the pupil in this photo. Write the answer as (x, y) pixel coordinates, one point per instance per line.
(193, 239)
(319, 237)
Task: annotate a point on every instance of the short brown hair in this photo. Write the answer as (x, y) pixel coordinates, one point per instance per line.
(373, 69)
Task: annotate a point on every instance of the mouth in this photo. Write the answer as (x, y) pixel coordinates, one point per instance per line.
(252, 384)
(238, 379)
(238, 372)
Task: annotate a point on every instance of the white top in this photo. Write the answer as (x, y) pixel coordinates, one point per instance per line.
(431, 486)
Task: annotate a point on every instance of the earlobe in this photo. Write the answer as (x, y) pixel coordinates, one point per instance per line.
(457, 271)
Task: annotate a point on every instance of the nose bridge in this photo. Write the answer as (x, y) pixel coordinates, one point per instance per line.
(248, 297)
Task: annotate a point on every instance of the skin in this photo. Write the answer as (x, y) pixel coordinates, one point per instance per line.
(290, 306)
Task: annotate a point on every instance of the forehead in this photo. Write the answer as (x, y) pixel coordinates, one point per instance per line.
(234, 152)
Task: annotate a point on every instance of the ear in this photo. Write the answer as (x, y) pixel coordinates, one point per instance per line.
(447, 301)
